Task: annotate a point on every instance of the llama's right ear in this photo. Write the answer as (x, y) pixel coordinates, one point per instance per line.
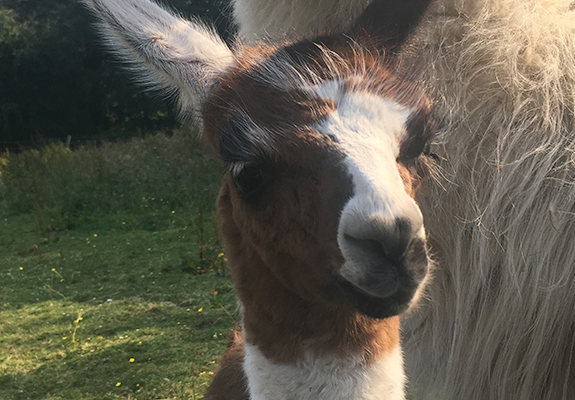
(391, 21)
(167, 51)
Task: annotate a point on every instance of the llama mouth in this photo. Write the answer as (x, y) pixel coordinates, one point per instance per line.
(394, 303)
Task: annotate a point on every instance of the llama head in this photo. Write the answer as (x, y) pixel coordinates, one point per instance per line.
(322, 147)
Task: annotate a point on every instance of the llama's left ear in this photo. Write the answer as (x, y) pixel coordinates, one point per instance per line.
(166, 51)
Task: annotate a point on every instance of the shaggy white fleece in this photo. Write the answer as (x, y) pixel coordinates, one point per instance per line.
(499, 323)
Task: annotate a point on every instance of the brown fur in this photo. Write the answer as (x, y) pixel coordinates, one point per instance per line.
(230, 381)
(242, 88)
(282, 246)
(285, 186)
(285, 312)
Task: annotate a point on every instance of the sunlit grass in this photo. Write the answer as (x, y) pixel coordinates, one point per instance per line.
(146, 346)
(125, 302)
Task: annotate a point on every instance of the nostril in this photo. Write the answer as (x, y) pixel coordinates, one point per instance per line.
(383, 257)
(371, 246)
(389, 250)
(390, 241)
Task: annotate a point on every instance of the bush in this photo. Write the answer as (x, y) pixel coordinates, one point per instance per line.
(61, 186)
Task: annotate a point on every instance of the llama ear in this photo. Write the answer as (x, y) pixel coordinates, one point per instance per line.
(391, 21)
(166, 51)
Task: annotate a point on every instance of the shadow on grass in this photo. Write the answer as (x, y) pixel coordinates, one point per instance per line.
(93, 372)
(149, 349)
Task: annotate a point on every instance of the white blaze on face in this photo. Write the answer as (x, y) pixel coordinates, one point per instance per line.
(369, 130)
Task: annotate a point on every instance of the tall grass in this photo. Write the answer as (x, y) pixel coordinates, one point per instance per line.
(62, 187)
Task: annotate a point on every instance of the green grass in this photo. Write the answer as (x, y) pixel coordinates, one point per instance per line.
(113, 281)
(74, 312)
(124, 304)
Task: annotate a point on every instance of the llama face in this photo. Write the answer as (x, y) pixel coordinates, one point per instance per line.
(322, 148)
(320, 176)
(380, 232)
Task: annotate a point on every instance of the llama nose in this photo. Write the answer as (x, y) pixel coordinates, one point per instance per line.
(383, 245)
(384, 253)
(381, 239)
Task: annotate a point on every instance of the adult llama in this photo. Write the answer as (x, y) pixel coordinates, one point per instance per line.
(323, 148)
(499, 321)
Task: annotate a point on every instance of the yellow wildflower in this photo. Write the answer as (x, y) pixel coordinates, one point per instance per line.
(132, 360)
(201, 309)
(118, 384)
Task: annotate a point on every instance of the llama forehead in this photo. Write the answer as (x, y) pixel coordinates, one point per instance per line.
(269, 98)
(370, 129)
(363, 117)
(264, 107)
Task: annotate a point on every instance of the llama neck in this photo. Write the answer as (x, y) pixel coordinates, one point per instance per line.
(308, 351)
(286, 327)
(324, 377)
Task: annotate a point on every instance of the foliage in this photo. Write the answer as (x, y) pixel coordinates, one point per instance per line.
(159, 174)
(56, 79)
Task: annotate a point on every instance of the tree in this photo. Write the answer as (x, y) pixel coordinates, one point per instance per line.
(56, 79)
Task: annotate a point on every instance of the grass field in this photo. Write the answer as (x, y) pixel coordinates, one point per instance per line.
(132, 300)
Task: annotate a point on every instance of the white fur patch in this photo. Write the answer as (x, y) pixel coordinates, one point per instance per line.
(369, 129)
(324, 378)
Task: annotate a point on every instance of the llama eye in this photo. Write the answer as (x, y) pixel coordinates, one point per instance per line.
(420, 130)
(414, 148)
(427, 152)
(251, 179)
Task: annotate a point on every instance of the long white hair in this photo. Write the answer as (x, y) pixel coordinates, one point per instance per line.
(499, 318)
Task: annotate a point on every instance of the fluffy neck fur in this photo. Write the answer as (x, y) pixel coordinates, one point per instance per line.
(308, 351)
(324, 377)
